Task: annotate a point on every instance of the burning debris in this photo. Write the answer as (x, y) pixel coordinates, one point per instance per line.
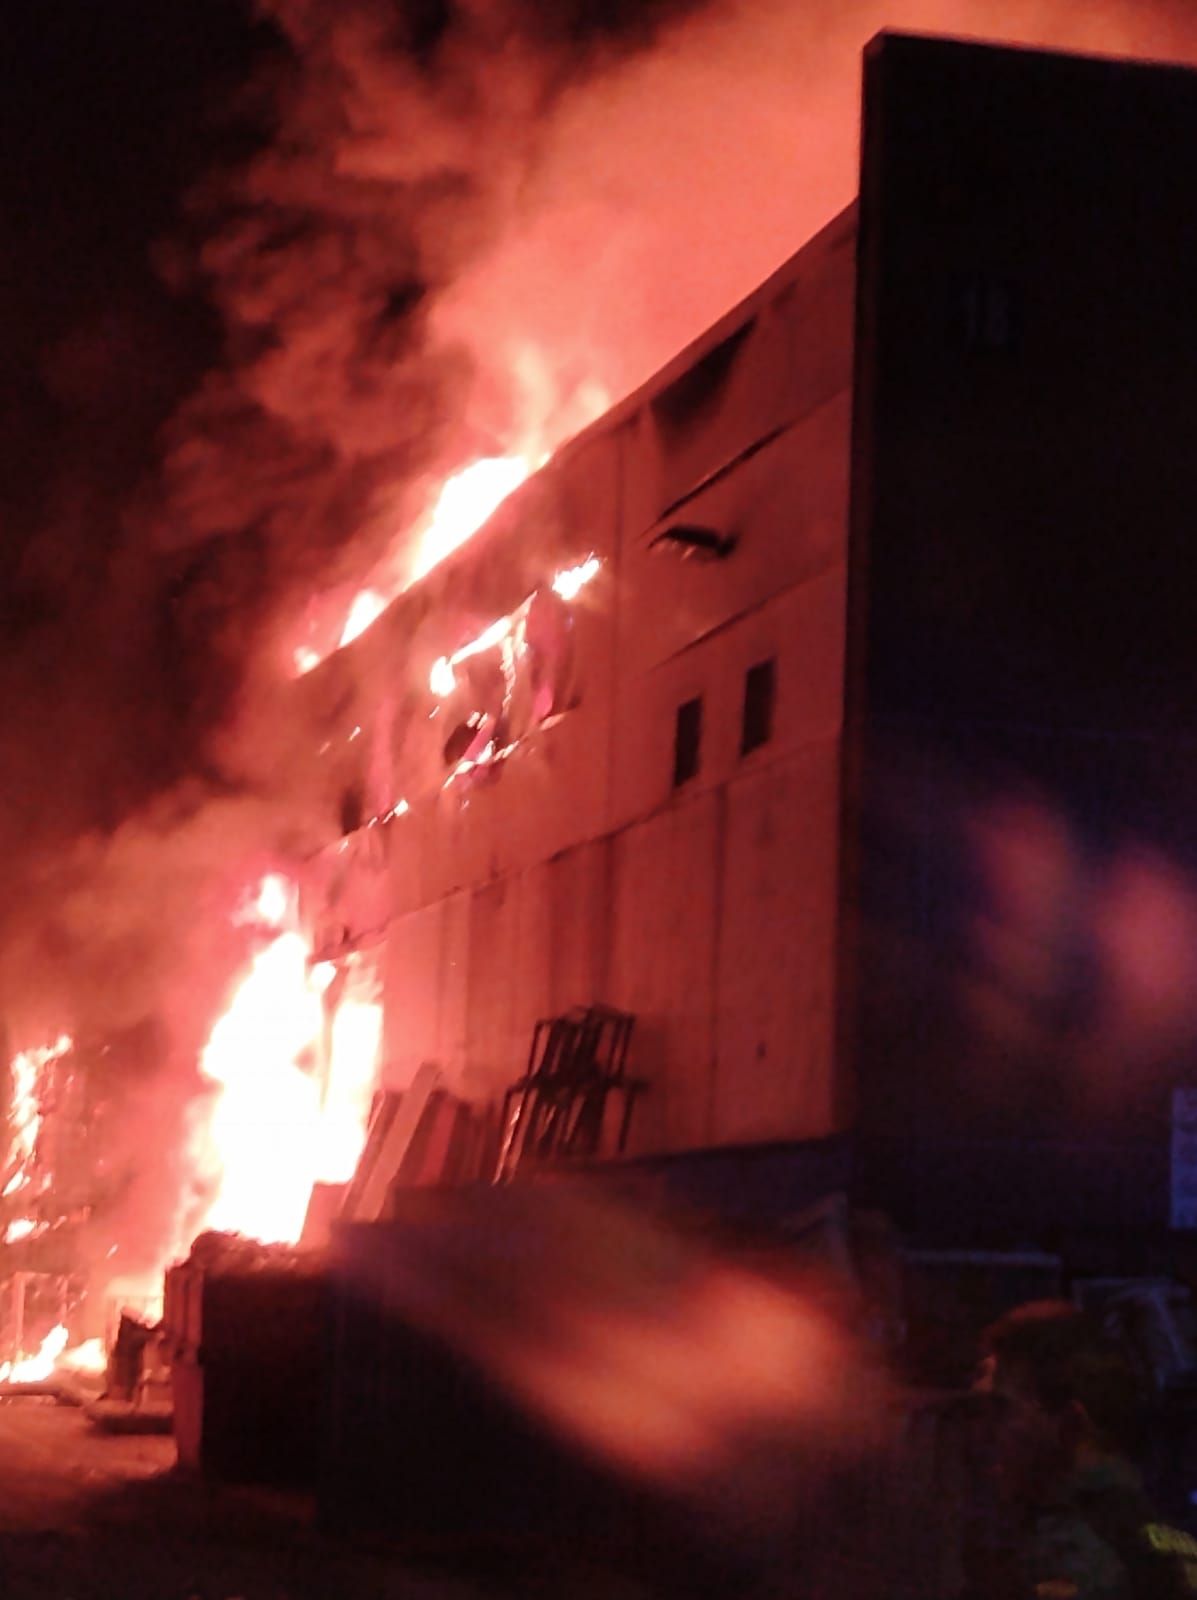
(55, 1178)
(290, 1070)
(36, 1368)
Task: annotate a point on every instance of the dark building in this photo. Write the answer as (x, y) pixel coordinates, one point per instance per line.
(1021, 696)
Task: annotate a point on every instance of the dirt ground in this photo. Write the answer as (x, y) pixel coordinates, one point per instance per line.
(86, 1515)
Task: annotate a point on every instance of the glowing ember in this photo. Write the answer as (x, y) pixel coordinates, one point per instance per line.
(36, 1369)
(468, 499)
(570, 581)
(489, 756)
(279, 1123)
(366, 608)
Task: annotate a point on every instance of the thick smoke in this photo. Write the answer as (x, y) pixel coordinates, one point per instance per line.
(414, 234)
(401, 141)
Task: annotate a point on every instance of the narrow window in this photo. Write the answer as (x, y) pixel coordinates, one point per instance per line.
(687, 741)
(759, 693)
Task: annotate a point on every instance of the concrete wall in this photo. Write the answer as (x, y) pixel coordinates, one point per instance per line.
(577, 872)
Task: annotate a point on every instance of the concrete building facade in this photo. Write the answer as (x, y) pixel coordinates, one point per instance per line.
(590, 866)
(891, 624)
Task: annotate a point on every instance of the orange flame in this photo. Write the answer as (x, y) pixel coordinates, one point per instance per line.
(570, 581)
(285, 1117)
(356, 1045)
(90, 1356)
(367, 607)
(505, 631)
(53, 1355)
(465, 501)
(25, 1114)
(37, 1368)
(468, 499)
(441, 679)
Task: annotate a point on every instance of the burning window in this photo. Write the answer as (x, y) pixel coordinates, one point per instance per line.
(756, 727)
(687, 741)
(514, 676)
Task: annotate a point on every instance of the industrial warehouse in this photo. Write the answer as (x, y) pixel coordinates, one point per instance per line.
(763, 847)
(884, 609)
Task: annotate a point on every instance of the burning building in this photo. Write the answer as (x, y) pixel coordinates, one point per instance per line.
(822, 707)
(824, 704)
(593, 757)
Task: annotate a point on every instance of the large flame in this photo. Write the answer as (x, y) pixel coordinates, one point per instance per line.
(465, 501)
(53, 1355)
(468, 499)
(292, 1106)
(355, 1047)
(25, 1112)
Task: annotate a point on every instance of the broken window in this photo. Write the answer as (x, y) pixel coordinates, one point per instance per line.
(687, 742)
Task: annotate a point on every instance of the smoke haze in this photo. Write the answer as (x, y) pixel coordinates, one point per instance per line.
(272, 277)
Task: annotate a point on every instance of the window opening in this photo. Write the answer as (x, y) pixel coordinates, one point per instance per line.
(759, 694)
(687, 741)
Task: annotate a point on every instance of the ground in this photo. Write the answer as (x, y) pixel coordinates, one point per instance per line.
(86, 1515)
(91, 1516)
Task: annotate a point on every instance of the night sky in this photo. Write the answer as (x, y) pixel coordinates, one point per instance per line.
(109, 116)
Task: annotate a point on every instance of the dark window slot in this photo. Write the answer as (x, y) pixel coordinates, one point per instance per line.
(760, 689)
(687, 742)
